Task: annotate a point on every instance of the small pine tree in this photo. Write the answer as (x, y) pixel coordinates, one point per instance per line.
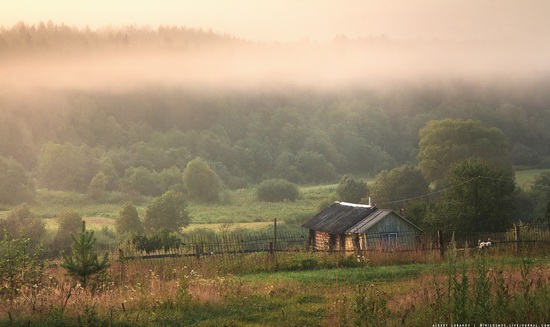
(83, 262)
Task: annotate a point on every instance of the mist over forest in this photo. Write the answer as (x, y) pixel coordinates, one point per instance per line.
(154, 173)
(137, 103)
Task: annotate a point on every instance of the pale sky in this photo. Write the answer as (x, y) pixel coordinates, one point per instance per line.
(474, 40)
(291, 20)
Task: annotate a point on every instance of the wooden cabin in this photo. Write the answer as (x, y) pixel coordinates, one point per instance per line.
(357, 228)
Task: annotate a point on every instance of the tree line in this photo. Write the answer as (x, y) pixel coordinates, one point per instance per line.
(139, 143)
(150, 140)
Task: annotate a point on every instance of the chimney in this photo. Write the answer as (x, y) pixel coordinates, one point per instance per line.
(370, 201)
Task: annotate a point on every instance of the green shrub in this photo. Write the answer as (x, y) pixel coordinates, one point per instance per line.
(276, 189)
(19, 266)
(163, 240)
(298, 262)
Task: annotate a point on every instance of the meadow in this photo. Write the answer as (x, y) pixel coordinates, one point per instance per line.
(293, 289)
(238, 209)
(299, 288)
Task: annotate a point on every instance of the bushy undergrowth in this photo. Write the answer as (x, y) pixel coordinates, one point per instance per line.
(276, 190)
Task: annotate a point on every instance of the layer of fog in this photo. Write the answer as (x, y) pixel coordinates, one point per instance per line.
(341, 63)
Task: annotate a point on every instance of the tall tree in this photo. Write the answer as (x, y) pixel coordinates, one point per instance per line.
(167, 212)
(398, 184)
(202, 183)
(478, 197)
(69, 222)
(128, 220)
(446, 142)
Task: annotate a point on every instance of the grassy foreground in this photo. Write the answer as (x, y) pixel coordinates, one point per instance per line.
(293, 289)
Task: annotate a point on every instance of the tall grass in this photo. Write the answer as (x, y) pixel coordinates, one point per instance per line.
(285, 289)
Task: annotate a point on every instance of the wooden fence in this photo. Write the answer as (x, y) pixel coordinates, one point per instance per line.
(517, 240)
(228, 244)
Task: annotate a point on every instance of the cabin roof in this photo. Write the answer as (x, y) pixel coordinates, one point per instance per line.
(349, 218)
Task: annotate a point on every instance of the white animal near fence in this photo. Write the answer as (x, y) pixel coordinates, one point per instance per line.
(482, 245)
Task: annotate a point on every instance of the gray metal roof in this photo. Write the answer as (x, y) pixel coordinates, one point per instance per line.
(348, 218)
(369, 221)
(339, 217)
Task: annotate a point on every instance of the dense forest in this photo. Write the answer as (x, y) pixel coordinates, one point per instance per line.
(137, 140)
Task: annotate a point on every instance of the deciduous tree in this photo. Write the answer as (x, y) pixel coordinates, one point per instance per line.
(69, 222)
(444, 143)
(21, 222)
(351, 190)
(398, 184)
(66, 167)
(478, 197)
(128, 220)
(168, 211)
(202, 183)
(15, 185)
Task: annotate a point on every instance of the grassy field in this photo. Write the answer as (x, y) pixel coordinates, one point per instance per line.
(240, 209)
(261, 290)
(243, 207)
(286, 289)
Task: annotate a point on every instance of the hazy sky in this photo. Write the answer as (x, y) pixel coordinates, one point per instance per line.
(474, 40)
(289, 20)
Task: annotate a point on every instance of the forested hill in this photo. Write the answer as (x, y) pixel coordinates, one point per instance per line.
(68, 121)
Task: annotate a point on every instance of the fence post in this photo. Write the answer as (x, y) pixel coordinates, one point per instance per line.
(275, 234)
(121, 259)
(440, 243)
(197, 252)
(517, 238)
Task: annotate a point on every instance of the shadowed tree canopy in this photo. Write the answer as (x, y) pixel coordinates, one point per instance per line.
(201, 181)
(446, 142)
(351, 190)
(479, 197)
(277, 189)
(397, 184)
(541, 193)
(15, 185)
(69, 222)
(128, 220)
(66, 167)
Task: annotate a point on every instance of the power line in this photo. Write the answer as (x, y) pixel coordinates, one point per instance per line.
(448, 188)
